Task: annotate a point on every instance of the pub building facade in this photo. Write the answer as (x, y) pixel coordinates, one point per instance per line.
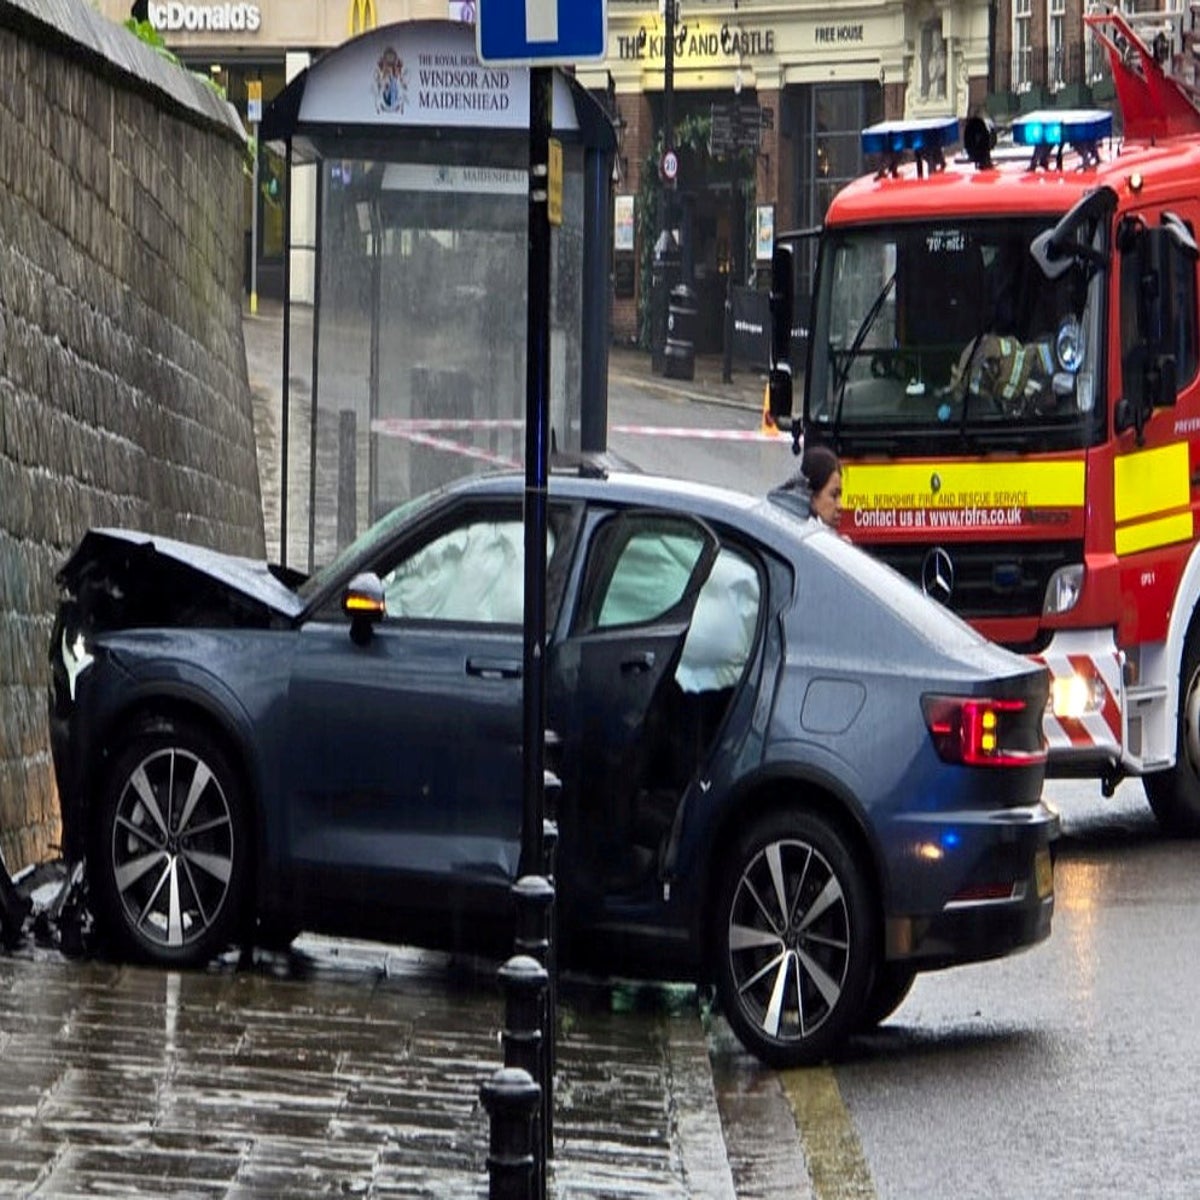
(768, 101)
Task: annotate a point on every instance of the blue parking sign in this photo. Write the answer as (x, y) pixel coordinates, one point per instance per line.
(532, 32)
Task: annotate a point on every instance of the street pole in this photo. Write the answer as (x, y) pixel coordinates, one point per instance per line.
(534, 894)
(254, 226)
(537, 465)
(254, 113)
(668, 104)
(664, 248)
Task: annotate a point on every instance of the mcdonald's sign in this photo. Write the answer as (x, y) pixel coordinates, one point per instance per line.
(361, 17)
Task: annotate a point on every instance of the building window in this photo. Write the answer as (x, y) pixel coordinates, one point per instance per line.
(1022, 44)
(832, 118)
(1056, 42)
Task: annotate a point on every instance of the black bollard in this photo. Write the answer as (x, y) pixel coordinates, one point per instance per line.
(534, 896)
(511, 1098)
(549, 854)
(727, 332)
(553, 751)
(552, 791)
(524, 980)
(347, 481)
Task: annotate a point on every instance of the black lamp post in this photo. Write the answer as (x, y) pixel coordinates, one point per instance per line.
(669, 17)
(665, 250)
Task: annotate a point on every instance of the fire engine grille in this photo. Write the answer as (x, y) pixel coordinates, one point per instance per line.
(993, 579)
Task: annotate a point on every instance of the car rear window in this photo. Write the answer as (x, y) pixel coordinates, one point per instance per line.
(928, 618)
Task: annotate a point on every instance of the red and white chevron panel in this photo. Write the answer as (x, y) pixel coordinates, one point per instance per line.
(1098, 729)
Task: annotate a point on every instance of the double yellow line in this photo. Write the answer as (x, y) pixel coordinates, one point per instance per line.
(832, 1150)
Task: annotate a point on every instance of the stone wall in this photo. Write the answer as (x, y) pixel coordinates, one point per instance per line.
(123, 391)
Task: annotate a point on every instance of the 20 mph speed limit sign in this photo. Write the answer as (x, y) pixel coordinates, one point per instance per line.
(669, 165)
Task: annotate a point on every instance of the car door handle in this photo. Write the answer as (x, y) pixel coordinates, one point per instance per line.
(494, 668)
(638, 664)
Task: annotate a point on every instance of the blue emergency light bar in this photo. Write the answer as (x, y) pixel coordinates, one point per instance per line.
(926, 137)
(894, 137)
(1069, 127)
(1048, 132)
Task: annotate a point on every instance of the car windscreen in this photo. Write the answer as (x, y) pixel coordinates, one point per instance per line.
(361, 548)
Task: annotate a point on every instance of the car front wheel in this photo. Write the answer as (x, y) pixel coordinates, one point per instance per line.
(795, 939)
(171, 856)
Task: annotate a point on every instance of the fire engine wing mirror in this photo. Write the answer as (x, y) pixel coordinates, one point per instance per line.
(1180, 235)
(1157, 257)
(1164, 385)
(1057, 249)
(1048, 256)
(783, 314)
(1163, 254)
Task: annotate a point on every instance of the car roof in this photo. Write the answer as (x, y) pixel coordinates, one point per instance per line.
(755, 515)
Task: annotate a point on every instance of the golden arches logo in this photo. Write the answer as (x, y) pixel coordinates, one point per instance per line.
(362, 16)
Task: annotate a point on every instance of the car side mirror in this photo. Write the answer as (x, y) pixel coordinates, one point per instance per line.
(363, 602)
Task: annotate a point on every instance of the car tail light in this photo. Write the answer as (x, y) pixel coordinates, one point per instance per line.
(980, 732)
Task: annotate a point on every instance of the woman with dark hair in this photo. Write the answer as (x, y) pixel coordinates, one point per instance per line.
(821, 468)
(816, 489)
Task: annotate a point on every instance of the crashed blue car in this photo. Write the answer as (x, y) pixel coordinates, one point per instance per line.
(785, 771)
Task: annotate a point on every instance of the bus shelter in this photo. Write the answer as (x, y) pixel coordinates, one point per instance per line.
(406, 231)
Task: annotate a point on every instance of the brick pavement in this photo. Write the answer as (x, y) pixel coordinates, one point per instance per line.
(342, 1069)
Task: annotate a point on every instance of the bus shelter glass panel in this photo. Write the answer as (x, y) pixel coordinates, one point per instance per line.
(421, 325)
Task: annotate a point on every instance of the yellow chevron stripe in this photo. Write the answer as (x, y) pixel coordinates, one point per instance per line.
(1150, 481)
(1161, 532)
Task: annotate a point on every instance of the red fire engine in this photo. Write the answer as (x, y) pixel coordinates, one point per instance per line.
(1004, 349)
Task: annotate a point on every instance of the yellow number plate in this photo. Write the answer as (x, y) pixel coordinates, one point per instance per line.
(1043, 873)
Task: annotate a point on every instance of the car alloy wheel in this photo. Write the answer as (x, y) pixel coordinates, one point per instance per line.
(172, 852)
(796, 938)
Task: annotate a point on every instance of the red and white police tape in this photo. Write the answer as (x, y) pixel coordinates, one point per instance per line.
(417, 429)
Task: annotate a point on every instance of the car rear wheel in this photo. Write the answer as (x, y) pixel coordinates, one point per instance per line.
(1174, 795)
(795, 939)
(171, 857)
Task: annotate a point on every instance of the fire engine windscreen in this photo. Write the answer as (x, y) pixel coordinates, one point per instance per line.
(952, 326)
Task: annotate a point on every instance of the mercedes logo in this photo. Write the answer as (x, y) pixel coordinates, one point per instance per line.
(937, 575)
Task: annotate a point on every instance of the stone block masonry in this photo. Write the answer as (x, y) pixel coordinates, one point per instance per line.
(124, 398)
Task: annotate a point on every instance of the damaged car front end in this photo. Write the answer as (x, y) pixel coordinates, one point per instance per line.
(114, 587)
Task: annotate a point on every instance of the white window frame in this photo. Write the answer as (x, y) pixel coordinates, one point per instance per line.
(1056, 43)
(1022, 45)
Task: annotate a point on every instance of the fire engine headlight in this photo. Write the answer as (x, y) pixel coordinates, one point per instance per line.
(1063, 590)
(1068, 345)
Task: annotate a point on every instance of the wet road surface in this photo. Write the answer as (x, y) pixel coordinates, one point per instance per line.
(1064, 1071)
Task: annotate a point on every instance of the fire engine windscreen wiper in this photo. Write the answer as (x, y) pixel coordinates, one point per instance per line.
(860, 336)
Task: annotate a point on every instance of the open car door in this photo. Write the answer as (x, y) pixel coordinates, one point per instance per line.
(643, 574)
